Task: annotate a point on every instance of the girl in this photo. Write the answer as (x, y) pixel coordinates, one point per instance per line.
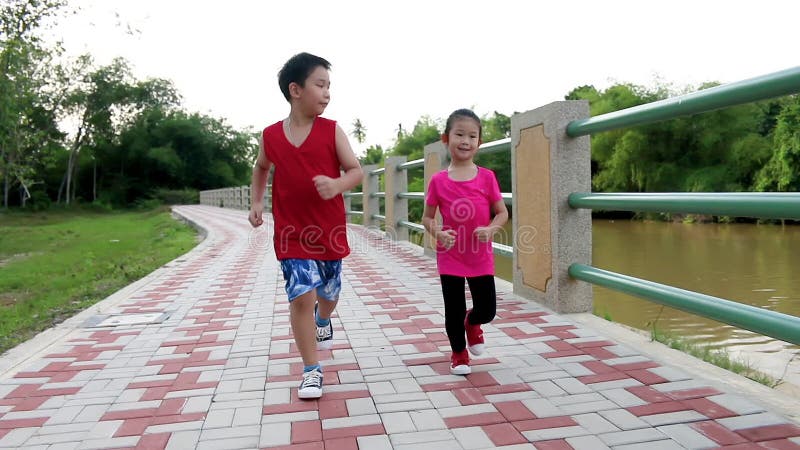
(466, 195)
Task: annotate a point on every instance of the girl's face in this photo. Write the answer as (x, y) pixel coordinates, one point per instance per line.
(315, 95)
(463, 140)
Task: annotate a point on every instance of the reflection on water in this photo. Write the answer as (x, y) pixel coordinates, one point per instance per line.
(751, 264)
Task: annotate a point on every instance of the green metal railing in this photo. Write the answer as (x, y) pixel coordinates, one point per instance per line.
(764, 87)
(766, 205)
(769, 323)
(486, 148)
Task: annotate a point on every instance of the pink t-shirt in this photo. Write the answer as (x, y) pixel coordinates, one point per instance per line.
(465, 205)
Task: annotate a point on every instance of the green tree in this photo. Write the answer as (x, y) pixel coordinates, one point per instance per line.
(175, 150)
(496, 127)
(412, 144)
(782, 171)
(102, 102)
(714, 151)
(374, 155)
(359, 131)
(24, 71)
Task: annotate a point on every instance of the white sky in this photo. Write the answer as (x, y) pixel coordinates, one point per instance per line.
(396, 61)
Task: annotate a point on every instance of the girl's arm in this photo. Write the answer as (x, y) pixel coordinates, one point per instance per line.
(429, 220)
(446, 237)
(486, 233)
(500, 215)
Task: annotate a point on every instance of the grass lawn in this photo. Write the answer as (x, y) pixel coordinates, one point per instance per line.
(55, 264)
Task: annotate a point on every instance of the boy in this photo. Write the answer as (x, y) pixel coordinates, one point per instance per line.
(310, 239)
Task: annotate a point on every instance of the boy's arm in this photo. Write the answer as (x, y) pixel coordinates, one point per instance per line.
(353, 175)
(258, 185)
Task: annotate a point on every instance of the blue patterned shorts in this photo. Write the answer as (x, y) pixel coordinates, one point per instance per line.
(303, 275)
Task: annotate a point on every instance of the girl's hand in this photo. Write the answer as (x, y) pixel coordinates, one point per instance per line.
(447, 238)
(326, 187)
(484, 234)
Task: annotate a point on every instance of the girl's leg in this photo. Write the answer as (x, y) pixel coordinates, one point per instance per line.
(455, 309)
(484, 299)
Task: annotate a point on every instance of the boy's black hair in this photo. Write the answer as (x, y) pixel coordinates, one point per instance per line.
(297, 69)
(463, 113)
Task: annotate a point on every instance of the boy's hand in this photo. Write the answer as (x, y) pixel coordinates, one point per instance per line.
(326, 186)
(447, 238)
(484, 234)
(256, 215)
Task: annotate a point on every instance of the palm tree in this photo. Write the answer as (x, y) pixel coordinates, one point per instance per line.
(359, 131)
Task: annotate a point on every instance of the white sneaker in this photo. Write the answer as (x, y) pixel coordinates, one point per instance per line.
(459, 363)
(311, 386)
(461, 369)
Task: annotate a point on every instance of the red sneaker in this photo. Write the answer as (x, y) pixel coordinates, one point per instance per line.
(474, 337)
(459, 363)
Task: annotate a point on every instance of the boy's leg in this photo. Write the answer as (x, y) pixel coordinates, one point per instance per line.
(301, 280)
(328, 297)
(323, 324)
(484, 299)
(301, 313)
(326, 308)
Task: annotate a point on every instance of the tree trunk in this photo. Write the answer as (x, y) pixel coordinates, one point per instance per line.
(5, 179)
(69, 177)
(75, 175)
(71, 163)
(6, 186)
(61, 188)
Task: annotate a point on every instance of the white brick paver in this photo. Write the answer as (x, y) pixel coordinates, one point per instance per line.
(221, 369)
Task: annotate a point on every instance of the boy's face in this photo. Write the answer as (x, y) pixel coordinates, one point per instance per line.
(463, 140)
(313, 97)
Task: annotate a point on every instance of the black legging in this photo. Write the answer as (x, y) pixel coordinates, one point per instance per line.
(484, 305)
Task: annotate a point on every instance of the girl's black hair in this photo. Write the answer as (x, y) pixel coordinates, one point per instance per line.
(462, 114)
(297, 69)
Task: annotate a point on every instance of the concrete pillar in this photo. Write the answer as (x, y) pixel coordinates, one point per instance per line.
(435, 161)
(546, 166)
(396, 181)
(371, 204)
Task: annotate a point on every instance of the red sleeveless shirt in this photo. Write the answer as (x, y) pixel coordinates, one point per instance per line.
(306, 226)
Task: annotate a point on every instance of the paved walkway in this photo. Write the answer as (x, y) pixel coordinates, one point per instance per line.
(218, 369)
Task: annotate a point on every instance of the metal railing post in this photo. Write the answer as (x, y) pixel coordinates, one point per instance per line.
(435, 161)
(396, 181)
(370, 204)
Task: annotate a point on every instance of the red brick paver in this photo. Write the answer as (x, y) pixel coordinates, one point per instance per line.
(221, 369)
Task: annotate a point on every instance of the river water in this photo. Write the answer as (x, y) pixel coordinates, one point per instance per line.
(758, 265)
